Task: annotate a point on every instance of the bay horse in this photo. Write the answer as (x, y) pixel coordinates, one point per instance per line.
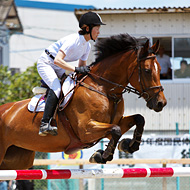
(96, 109)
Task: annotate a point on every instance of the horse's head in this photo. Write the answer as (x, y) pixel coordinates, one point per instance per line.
(144, 75)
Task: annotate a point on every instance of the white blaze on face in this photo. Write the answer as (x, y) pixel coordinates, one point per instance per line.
(156, 66)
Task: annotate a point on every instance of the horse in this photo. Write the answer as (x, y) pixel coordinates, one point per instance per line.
(95, 110)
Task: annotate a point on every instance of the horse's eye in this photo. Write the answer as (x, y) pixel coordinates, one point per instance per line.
(148, 71)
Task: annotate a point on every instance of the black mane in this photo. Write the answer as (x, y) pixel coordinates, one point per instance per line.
(115, 44)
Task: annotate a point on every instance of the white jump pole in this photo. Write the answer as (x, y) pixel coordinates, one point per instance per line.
(94, 173)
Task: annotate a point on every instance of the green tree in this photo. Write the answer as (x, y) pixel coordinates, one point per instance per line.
(5, 77)
(18, 86)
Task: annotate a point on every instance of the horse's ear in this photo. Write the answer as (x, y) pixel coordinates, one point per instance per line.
(146, 45)
(156, 46)
(144, 49)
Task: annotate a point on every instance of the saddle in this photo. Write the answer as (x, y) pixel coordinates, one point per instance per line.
(42, 91)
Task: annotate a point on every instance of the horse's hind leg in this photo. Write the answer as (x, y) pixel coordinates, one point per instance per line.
(131, 145)
(17, 158)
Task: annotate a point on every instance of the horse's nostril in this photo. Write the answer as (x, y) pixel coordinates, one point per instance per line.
(160, 105)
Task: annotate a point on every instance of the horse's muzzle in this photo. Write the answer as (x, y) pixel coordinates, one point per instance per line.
(157, 103)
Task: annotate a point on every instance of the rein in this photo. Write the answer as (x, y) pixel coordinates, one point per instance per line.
(125, 89)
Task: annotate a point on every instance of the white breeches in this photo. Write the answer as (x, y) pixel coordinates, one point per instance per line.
(50, 75)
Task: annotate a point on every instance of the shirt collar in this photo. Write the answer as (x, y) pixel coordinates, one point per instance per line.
(83, 40)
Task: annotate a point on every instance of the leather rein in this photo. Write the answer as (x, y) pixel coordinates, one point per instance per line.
(116, 98)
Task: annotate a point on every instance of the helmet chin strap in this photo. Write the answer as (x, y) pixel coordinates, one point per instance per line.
(91, 37)
(90, 31)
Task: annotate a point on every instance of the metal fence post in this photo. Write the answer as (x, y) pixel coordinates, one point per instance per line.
(177, 178)
(81, 186)
(164, 180)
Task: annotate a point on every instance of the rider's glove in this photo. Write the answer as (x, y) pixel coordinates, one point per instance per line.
(82, 69)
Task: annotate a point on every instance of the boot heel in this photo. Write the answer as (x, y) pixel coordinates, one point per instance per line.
(42, 134)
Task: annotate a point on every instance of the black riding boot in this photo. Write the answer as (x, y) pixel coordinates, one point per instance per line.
(51, 103)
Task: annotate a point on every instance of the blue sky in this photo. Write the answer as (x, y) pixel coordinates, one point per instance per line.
(127, 3)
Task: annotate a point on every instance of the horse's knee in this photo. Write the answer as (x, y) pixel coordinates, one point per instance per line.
(139, 120)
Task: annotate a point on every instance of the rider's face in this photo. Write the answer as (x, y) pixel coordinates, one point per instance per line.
(95, 32)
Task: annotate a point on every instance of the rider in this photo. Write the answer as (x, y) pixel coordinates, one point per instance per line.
(54, 61)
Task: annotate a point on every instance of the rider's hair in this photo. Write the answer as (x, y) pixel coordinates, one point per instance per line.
(83, 29)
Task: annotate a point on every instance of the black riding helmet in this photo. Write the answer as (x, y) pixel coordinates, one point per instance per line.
(90, 19)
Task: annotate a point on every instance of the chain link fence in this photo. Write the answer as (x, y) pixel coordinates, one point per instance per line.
(119, 184)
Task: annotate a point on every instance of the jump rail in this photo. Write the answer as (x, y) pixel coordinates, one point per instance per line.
(94, 173)
(40, 162)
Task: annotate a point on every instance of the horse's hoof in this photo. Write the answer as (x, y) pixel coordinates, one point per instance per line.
(97, 157)
(124, 146)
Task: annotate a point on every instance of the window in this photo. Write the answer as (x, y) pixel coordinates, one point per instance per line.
(181, 60)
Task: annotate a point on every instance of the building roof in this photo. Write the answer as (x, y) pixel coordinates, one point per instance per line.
(9, 16)
(79, 12)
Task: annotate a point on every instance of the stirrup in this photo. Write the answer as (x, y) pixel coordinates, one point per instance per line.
(46, 128)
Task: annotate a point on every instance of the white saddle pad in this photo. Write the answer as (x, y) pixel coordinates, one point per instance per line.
(67, 88)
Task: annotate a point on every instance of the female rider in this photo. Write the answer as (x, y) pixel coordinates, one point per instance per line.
(54, 61)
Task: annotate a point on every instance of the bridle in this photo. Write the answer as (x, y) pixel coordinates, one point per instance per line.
(142, 83)
(145, 90)
(117, 97)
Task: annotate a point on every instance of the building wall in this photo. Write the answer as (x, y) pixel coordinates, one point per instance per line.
(146, 24)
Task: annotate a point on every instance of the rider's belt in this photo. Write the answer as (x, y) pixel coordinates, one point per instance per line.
(48, 53)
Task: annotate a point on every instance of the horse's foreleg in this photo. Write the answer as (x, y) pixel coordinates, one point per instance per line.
(109, 151)
(131, 145)
(108, 129)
